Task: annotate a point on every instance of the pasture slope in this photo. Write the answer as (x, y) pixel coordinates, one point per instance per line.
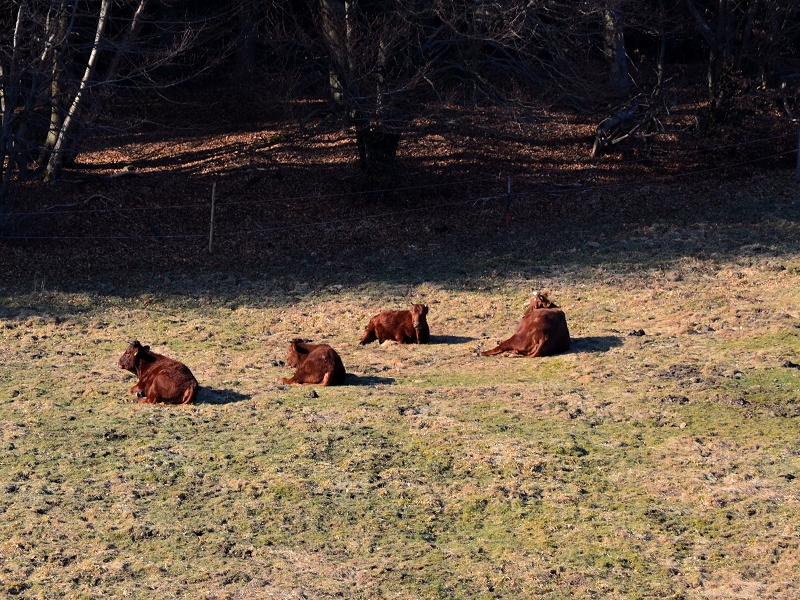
(662, 465)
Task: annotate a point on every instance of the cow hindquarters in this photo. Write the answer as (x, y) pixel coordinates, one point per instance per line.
(540, 349)
(191, 393)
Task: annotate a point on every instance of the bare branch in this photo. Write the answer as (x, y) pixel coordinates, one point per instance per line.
(702, 26)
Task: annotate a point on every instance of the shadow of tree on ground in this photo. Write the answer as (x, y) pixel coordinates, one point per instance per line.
(210, 395)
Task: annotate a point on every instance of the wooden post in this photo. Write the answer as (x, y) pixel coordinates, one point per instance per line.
(508, 203)
(211, 229)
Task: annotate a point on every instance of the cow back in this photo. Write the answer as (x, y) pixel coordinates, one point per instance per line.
(549, 325)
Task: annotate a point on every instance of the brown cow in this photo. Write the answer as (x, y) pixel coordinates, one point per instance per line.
(317, 364)
(402, 326)
(540, 300)
(541, 332)
(162, 380)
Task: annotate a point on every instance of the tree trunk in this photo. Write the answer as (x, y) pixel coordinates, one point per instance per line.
(774, 24)
(746, 31)
(334, 16)
(10, 97)
(59, 29)
(59, 150)
(377, 148)
(614, 48)
(130, 38)
(714, 73)
(246, 43)
(715, 47)
(662, 47)
(56, 110)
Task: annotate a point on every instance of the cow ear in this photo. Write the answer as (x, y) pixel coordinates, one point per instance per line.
(145, 348)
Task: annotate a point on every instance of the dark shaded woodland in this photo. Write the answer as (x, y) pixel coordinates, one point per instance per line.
(69, 70)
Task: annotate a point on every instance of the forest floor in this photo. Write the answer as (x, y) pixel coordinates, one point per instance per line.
(657, 458)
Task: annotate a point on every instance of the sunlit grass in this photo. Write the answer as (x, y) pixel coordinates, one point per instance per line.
(660, 465)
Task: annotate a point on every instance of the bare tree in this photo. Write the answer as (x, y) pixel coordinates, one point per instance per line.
(388, 63)
(381, 66)
(49, 75)
(614, 48)
(747, 40)
(59, 148)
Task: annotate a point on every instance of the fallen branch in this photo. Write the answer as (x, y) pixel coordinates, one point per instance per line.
(632, 123)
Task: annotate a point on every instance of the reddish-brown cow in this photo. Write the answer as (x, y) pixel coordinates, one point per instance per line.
(540, 300)
(162, 380)
(541, 332)
(317, 364)
(402, 326)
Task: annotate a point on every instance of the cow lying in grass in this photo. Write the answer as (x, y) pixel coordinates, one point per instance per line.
(541, 332)
(401, 326)
(539, 300)
(317, 364)
(162, 380)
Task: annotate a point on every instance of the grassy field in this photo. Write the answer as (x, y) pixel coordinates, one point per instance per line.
(661, 465)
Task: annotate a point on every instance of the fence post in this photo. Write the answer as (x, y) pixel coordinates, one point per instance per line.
(211, 228)
(508, 203)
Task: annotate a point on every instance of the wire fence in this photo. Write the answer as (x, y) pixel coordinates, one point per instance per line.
(283, 199)
(671, 176)
(546, 187)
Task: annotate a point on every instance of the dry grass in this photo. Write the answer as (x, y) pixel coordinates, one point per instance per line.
(646, 466)
(653, 466)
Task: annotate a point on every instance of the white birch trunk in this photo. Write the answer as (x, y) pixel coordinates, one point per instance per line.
(8, 94)
(9, 99)
(57, 158)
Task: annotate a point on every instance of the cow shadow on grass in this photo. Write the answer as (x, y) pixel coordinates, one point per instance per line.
(451, 339)
(594, 343)
(210, 395)
(367, 380)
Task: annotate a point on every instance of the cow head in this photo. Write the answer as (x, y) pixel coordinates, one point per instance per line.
(540, 300)
(133, 354)
(297, 353)
(418, 312)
